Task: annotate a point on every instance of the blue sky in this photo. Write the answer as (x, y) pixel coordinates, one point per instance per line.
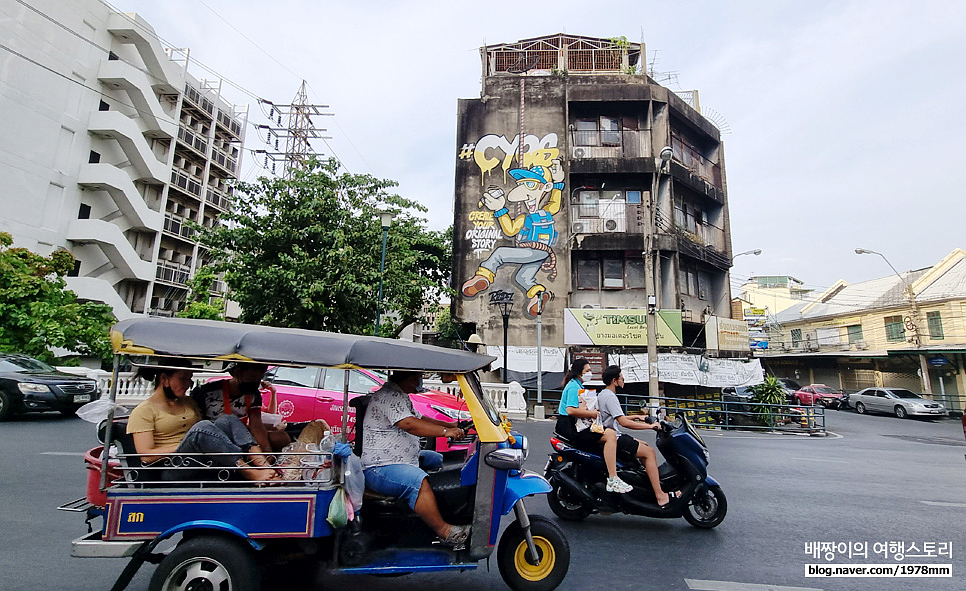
(844, 118)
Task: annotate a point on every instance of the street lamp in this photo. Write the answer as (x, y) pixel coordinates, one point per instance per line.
(663, 167)
(755, 252)
(911, 322)
(385, 217)
(503, 300)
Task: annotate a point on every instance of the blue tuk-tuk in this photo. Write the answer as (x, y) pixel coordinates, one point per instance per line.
(230, 529)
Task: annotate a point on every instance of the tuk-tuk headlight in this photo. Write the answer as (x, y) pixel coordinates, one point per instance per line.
(505, 459)
(525, 446)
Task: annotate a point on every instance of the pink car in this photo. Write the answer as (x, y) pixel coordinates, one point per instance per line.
(309, 393)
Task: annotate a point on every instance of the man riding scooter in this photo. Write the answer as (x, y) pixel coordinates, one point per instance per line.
(611, 415)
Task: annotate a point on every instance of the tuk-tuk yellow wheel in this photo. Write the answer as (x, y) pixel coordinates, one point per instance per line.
(513, 556)
(522, 560)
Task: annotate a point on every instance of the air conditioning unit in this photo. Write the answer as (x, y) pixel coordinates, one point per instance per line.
(613, 224)
(580, 152)
(861, 345)
(590, 307)
(578, 228)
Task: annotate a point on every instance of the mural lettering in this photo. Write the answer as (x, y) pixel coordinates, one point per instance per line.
(523, 210)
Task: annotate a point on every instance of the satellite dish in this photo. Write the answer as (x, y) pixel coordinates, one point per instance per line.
(523, 64)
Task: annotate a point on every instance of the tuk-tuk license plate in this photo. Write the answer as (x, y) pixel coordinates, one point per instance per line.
(82, 397)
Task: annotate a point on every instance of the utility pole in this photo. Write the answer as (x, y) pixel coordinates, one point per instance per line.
(662, 167)
(297, 133)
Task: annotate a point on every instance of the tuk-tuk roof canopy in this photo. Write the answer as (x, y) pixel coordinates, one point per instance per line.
(228, 341)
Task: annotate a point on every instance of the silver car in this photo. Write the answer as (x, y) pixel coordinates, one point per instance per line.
(897, 401)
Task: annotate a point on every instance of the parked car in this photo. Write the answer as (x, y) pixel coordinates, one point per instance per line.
(737, 401)
(898, 401)
(818, 394)
(791, 386)
(309, 393)
(30, 385)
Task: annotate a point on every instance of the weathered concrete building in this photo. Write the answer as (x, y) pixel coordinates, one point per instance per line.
(565, 220)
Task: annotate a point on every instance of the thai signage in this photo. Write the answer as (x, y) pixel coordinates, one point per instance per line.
(725, 334)
(624, 327)
(692, 370)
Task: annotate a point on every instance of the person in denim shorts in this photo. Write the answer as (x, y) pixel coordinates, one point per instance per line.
(390, 452)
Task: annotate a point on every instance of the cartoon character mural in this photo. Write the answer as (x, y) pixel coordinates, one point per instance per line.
(524, 213)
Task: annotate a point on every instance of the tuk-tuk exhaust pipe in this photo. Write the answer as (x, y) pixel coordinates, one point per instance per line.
(524, 520)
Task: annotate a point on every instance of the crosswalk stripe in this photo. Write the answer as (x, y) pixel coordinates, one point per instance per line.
(699, 585)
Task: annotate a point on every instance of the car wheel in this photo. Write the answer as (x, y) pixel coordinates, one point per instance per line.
(860, 408)
(797, 401)
(5, 407)
(901, 412)
(207, 562)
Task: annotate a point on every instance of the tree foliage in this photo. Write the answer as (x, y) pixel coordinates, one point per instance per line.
(305, 252)
(200, 304)
(37, 311)
(770, 391)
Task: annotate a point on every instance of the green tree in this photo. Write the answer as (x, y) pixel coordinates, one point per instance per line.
(37, 311)
(200, 304)
(770, 391)
(304, 252)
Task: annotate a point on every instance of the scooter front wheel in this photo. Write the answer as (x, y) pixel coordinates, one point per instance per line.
(564, 505)
(709, 511)
(517, 566)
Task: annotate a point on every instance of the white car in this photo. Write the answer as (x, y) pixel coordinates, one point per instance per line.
(897, 401)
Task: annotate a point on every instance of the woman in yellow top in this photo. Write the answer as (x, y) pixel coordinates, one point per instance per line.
(170, 422)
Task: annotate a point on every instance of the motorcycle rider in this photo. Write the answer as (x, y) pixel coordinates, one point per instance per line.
(611, 415)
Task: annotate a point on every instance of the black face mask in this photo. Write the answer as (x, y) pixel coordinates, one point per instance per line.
(248, 387)
(169, 393)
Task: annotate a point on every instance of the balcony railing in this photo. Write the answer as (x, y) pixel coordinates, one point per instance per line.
(218, 199)
(703, 235)
(173, 273)
(177, 226)
(192, 139)
(223, 160)
(185, 182)
(610, 144)
(692, 159)
(194, 96)
(229, 123)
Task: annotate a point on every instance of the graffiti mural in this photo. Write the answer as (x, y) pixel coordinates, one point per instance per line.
(522, 210)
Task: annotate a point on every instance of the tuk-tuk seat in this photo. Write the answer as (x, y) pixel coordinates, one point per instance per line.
(130, 462)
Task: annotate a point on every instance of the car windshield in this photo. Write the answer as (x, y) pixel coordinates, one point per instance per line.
(826, 390)
(22, 363)
(904, 394)
(790, 384)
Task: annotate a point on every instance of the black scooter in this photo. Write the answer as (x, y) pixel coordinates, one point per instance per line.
(578, 478)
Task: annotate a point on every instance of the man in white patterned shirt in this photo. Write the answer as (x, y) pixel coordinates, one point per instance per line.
(390, 451)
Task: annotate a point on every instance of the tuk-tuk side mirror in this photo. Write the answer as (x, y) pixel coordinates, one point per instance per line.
(505, 459)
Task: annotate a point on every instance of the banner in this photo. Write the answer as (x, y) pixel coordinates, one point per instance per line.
(691, 370)
(725, 334)
(524, 359)
(622, 327)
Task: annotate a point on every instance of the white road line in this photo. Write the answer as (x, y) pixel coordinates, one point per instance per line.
(942, 504)
(62, 453)
(699, 585)
(822, 460)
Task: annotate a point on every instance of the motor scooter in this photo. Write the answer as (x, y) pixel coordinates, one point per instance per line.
(578, 480)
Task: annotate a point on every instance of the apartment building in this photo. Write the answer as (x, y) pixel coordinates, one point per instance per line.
(112, 147)
(563, 220)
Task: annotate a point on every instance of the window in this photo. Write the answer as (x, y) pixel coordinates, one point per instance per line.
(84, 213)
(75, 272)
(103, 106)
(613, 273)
(599, 131)
(704, 285)
(295, 376)
(634, 274)
(895, 330)
(359, 383)
(94, 158)
(588, 273)
(855, 333)
(632, 197)
(610, 131)
(587, 204)
(586, 133)
(796, 337)
(935, 321)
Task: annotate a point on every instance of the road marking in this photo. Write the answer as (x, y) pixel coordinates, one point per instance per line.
(699, 585)
(942, 504)
(822, 460)
(62, 453)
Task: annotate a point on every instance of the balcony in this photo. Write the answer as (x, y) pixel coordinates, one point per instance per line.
(194, 97)
(173, 273)
(227, 122)
(218, 199)
(186, 183)
(193, 140)
(176, 226)
(224, 161)
(704, 243)
(697, 164)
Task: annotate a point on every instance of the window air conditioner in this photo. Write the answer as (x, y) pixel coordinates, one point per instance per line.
(861, 345)
(579, 153)
(590, 307)
(613, 224)
(578, 228)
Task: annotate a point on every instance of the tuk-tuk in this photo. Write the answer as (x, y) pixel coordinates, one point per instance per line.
(230, 529)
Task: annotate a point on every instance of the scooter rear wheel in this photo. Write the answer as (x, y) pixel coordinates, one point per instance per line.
(708, 512)
(563, 504)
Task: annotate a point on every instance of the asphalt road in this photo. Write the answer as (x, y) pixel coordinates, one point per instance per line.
(877, 479)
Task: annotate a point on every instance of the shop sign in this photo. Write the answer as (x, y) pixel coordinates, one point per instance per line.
(621, 327)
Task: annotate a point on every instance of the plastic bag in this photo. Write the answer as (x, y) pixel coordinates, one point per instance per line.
(355, 481)
(96, 410)
(338, 512)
